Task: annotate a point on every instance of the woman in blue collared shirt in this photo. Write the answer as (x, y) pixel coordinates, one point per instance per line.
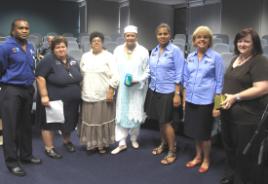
(166, 68)
(202, 78)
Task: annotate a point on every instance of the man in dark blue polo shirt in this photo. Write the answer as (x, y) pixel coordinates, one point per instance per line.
(16, 97)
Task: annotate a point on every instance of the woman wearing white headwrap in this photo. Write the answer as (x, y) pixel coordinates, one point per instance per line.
(132, 62)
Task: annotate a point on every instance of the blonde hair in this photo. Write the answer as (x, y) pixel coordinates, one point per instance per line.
(204, 30)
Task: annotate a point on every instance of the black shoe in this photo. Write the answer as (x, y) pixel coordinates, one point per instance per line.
(227, 180)
(69, 147)
(53, 153)
(17, 171)
(32, 160)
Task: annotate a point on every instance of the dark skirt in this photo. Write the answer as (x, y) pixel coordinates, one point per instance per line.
(71, 113)
(159, 106)
(198, 121)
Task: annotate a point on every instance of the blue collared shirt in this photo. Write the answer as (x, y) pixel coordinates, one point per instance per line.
(16, 65)
(203, 79)
(166, 69)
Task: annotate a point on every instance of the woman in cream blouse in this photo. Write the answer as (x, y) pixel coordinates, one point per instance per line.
(100, 79)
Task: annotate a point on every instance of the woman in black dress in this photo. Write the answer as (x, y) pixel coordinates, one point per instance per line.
(58, 78)
(245, 84)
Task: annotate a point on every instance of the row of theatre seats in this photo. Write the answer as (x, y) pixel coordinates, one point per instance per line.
(77, 45)
(221, 44)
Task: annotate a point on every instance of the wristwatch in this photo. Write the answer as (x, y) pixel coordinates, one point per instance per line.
(237, 97)
(177, 93)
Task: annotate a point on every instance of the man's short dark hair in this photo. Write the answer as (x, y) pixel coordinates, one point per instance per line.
(13, 24)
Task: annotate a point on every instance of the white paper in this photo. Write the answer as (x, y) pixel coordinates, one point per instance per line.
(54, 113)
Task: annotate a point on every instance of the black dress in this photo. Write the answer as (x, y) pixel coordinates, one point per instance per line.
(63, 83)
(240, 121)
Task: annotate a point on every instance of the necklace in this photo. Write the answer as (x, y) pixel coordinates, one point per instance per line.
(243, 60)
(240, 61)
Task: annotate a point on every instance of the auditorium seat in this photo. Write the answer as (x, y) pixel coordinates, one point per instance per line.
(73, 45)
(110, 46)
(217, 40)
(85, 46)
(227, 57)
(68, 34)
(221, 47)
(76, 54)
(180, 36)
(265, 50)
(223, 37)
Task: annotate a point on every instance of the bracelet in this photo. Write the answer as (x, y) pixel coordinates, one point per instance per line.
(237, 97)
(177, 93)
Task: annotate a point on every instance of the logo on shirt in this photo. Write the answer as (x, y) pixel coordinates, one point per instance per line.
(58, 62)
(208, 60)
(191, 60)
(73, 62)
(15, 49)
(154, 54)
(32, 51)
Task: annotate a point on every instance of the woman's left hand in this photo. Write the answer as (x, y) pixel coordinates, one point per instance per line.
(110, 95)
(176, 100)
(229, 101)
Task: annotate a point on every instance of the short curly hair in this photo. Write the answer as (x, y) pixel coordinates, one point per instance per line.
(96, 34)
(57, 40)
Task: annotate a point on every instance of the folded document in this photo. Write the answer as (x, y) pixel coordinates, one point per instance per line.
(54, 112)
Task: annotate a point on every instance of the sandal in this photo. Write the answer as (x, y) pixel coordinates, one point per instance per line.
(169, 158)
(102, 150)
(193, 163)
(204, 167)
(160, 149)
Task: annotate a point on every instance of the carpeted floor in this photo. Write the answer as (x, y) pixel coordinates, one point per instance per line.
(129, 167)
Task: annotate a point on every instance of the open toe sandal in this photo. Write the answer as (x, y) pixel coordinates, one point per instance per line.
(160, 149)
(193, 163)
(169, 158)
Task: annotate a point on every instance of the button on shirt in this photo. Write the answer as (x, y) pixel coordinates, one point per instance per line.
(16, 65)
(166, 69)
(203, 79)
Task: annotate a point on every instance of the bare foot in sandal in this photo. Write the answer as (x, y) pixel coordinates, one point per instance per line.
(169, 158)
(204, 167)
(160, 149)
(193, 163)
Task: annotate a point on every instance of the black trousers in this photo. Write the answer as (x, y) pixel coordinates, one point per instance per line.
(235, 136)
(16, 105)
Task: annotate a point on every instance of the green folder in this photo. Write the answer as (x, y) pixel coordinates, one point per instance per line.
(218, 99)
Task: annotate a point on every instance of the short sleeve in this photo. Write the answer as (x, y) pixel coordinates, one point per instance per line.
(259, 71)
(44, 67)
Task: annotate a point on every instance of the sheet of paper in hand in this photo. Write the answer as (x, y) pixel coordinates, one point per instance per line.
(54, 113)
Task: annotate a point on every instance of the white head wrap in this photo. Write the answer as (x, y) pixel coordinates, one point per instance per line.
(131, 29)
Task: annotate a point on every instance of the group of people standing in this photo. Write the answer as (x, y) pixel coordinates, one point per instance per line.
(108, 96)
